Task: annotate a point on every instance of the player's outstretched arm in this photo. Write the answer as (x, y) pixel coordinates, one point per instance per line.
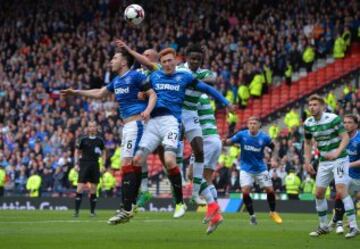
(137, 56)
(93, 93)
(203, 87)
(151, 104)
(227, 142)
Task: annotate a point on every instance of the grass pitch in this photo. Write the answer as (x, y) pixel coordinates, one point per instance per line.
(58, 230)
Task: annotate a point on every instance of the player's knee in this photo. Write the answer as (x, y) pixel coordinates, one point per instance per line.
(198, 149)
(170, 157)
(341, 192)
(319, 195)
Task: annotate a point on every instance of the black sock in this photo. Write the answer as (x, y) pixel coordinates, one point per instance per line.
(248, 203)
(78, 199)
(129, 186)
(93, 200)
(175, 180)
(138, 178)
(339, 210)
(271, 201)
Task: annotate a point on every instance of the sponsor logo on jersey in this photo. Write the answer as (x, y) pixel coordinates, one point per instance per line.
(251, 148)
(122, 90)
(169, 87)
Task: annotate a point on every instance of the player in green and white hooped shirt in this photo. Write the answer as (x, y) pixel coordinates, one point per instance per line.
(190, 120)
(327, 130)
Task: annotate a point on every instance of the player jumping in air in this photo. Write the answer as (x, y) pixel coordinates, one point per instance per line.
(163, 128)
(134, 112)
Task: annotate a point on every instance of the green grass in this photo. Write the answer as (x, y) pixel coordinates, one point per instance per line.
(54, 229)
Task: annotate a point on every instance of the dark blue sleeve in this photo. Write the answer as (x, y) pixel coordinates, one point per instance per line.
(267, 140)
(237, 138)
(110, 86)
(205, 88)
(144, 83)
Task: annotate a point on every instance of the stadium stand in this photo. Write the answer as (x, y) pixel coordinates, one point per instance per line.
(47, 46)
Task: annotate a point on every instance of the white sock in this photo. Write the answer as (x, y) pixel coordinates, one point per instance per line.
(144, 178)
(350, 211)
(213, 191)
(322, 209)
(206, 192)
(198, 170)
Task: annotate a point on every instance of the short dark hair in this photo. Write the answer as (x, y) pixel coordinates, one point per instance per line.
(127, 56)
(317, 98)
(353, 117)
(256, 118)
(196, 48)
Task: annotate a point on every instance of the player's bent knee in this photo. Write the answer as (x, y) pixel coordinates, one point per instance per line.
(170, 158)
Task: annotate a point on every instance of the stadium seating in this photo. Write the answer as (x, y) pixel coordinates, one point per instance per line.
(283, 95)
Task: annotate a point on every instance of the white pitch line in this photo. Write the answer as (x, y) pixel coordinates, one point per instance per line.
(136, 220)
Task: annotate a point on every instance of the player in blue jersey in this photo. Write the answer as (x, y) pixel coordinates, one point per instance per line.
(163, 127)
(126, 86)
(351, 124)
(253, 141)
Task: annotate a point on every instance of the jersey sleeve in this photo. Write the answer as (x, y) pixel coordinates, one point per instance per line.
(144, 82)
(102, 144)
(338, 125)
(205, 88)
(268, 141)
(78, 144)
(237, 138)
(307, 132)
(110, 86)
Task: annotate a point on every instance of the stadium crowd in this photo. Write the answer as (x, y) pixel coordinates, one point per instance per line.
(48, 46)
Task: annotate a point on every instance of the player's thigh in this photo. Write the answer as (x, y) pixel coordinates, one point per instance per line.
(354, 186)
(151, 138)
(191, 123)
(169, 132)
(94, 173)
(212, 151)
(264, 179)
(324, 175)
(132, 134)
(341, 171)
(246, 179)
(84, 172)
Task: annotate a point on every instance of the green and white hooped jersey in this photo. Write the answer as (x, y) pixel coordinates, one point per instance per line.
(192, 95)
(206, 117)
(326, 133)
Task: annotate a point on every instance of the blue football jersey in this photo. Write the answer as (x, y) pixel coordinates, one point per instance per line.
(170, 90)
(126, 88)
(252, 150)
(353, 150)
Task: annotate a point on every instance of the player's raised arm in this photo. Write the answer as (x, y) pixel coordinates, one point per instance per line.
(93, 93)
(137, 56)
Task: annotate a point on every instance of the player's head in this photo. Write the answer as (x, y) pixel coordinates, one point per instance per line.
(92, 128)
(254, 124)
(168, 60)
(316, 105)
(121, 59)
(351, 123)
(152, 55)
(194, 56)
